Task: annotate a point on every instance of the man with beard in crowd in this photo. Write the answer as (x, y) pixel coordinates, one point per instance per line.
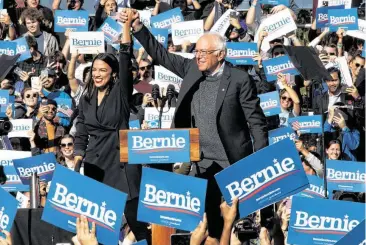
(146, 81)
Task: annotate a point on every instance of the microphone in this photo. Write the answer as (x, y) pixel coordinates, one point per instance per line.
(155, 93)
(170, 94)
(351, 107)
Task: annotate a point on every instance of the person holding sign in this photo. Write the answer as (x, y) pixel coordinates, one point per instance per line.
(104, 109)
(219, 100)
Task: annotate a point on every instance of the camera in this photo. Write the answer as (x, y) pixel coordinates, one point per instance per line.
(5, 126)
(246, 229)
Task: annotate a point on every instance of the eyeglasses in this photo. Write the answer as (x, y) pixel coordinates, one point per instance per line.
(278, 53)
(68, 145)
(145, 68)
(204, 52)
(359, 65)
(31, 95)
(286, 98)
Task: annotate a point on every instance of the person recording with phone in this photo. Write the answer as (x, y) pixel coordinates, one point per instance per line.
(104, 109)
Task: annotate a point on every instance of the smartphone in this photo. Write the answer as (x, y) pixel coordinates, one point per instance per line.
(44, 73)
(344, 88)
(17, 71)
(180, 239)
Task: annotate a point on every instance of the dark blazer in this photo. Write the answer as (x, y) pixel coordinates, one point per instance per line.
(237, 103)
(97, 139)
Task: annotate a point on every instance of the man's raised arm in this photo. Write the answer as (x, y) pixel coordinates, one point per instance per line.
(174, 63)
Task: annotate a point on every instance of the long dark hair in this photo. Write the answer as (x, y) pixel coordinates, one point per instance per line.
(59, 157)
(112, 61)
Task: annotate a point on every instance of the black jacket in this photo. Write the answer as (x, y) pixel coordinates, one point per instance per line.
(97, 139)
(237, 103)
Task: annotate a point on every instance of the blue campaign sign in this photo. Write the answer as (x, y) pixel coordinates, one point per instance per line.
(70, 19)
(356, 236)
(43, 164)
(64, 106)
(241, 53)
(4, 102)
(1, 4)
(346, 175)
(158, 146)
(277, 65)
(72, 194)
(13, 182)
(308, 124)
(320, 221)
(343, 18)
(112, 30)
(143, 242)
(316, 189)
(166, 19)
(8, 209)
(161, 35)
(276, 174)
(276, 2)
(279, 134)
(22, 48)
(178, 201)
(134, 124)
(8, 48)
(270, 103)
(322, 15)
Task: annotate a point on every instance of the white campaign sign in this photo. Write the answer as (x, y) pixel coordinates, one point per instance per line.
(152, 115)
(87, 42)
(187, 30)
(276, 25)
(36, 84)
(184, 55)
(223, 23)
(22, 199)
(347, 3)
(361, 32)
(163, 75)
(145, 16)
(21, 128)
(345, 73)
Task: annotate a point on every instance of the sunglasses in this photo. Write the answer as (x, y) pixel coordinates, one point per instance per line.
(331, 54)
(68, 145)
(286, 98)
(359, 65)
(31, 95)
(278, 53)
(145, 68)
(52, 108)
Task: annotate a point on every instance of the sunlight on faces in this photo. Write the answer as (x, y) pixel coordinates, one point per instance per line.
(286, 101)
(30, 98)
(67, 147)
(48, 84)
(212, 60)
(32, 3)
(334, 151)
(101, 73)
(32, 25)
(110, 6)
(356, 65)
(51, 112)
(333, 84)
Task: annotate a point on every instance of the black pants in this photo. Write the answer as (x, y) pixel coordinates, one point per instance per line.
(138, 228)
(213, 197)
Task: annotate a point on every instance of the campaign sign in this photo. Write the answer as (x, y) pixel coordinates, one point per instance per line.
(317, 221)
(152, 117)
(87, 42)
(343, 18)
(8, 210)
(161, 35)
(270, 103)
(316, 189)
(278, 25)
(347, 3)
(4, 102)
(222, 23)
(70, 19)
(178, 201)
(308, 124)
(143, 242)
(13, 182)
(145, 16)
(1, 4)
(361, 32)
(322, 15)
(346, 175)
(72, 194)
(277, 65)
(276, 174)
(158, 146)
(241, 53)
(21, 127)
(134, 124)
(279, 134)
(187, 31)
(355, 236)
(8, 48)
(276, 2)
(163, 75)
(22, 49)
(43, 164)
(64, 106)
(22, 199)
(111, 29)
(166, 19)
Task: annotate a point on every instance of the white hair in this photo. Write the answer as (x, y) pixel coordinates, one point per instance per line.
(219, 41)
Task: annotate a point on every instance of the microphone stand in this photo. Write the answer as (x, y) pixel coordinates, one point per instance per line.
(163, 101)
